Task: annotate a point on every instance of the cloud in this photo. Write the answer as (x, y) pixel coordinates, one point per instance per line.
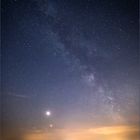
(18, 95)
(114, 130)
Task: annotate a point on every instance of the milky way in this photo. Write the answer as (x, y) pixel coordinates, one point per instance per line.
(78, 59)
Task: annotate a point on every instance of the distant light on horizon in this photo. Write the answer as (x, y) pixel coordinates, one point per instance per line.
(51, 125)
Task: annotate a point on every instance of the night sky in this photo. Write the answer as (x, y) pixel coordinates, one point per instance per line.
(76, 58)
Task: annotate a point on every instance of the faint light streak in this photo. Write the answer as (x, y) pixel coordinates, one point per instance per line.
(110, 98)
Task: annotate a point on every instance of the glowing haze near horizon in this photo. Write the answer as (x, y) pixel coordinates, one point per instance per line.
(70, 70)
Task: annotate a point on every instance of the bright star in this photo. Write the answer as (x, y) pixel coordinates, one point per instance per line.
(48, 113)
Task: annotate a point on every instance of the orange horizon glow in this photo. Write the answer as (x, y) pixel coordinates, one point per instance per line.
(100, 133)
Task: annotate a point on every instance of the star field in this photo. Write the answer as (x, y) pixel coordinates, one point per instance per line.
(78, 59)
